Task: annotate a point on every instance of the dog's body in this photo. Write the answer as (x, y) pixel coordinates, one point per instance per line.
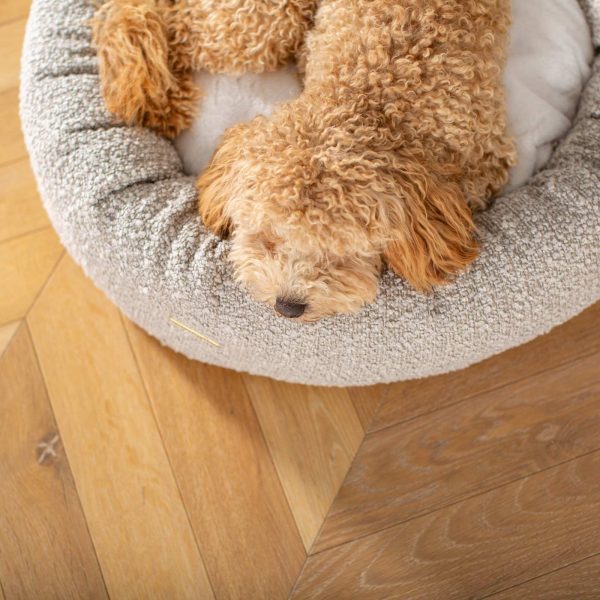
(399, 133)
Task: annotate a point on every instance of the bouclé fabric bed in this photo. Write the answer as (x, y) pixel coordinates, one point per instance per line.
(126, 211)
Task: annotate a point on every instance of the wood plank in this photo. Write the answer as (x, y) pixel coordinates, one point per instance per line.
(135, 514)
(45, 548)
(12, 145)
(483, 442)
(578, 337)
(25, 263)
(237, 507)
(313, 434)
(471, 549)
(11, 35)
(6, 334)
(366, 401)
(579, 581)
(13, 9)
(21, 210)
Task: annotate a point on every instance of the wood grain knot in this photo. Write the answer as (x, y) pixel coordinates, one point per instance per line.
(46, 450)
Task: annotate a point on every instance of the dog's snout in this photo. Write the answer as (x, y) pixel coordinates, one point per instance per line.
(289, 308)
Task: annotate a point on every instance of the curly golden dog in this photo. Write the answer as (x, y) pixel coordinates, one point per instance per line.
(398, 135)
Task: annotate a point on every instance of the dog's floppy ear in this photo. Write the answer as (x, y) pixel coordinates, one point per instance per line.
(431, 229)
(213, 201)
(217, 184)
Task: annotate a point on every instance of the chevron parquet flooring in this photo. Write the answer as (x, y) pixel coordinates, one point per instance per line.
(128, 471)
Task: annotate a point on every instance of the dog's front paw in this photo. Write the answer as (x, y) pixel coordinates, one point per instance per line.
(176, 113)
(139, 81)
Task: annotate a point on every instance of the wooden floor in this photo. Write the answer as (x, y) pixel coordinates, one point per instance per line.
(127, 471)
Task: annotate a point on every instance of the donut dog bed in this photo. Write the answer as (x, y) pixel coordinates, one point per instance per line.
(124, 208)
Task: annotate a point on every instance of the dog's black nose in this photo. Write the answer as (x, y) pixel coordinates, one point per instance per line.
(289, 308)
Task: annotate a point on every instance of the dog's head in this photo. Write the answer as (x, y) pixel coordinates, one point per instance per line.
(314, 215)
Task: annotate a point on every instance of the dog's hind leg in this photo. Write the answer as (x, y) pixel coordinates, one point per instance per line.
(143, 80)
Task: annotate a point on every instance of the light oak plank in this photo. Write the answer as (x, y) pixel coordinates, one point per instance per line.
(313, 434)
(11, 35)
(12, 145)
(579, 581)
(21, 210)
(471, 549)
(136, 517)
(13, 9)
(405, 400)
(483, 442)
(236, 504)
(6, 334)
(25, 264)
(366, 400)
(45, 548)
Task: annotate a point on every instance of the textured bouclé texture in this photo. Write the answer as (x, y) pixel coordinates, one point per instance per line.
(123, 207)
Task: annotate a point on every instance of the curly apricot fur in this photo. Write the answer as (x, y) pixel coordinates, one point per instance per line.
(400, 132)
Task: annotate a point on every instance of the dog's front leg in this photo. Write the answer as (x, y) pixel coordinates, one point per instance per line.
(244, 36)
(144, 78)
